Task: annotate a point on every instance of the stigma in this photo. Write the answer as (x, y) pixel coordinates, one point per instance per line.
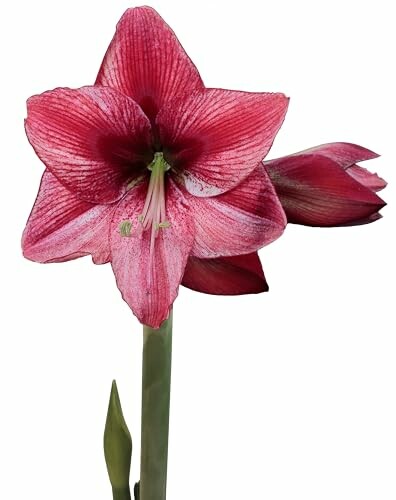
(153, 215)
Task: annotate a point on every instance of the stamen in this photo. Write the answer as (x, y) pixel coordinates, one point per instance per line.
(153, 213)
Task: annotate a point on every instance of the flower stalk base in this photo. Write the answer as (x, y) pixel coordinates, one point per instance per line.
(121, 494)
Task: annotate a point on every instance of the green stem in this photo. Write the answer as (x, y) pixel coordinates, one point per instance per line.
(121, 494)
(157, 353)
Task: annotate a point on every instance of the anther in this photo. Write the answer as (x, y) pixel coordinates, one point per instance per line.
(125, 228)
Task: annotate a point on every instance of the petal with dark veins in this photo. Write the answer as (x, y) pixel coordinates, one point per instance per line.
(215, 138)
(343, 153)
(149, 281)
(146, 62)
(94, 140)
(237, 222)
(315, 191)
(62, 227)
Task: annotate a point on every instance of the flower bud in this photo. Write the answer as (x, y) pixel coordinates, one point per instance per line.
(117, 444)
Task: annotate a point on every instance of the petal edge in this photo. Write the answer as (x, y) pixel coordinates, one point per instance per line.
(215, 138)
(92, 139)
(149, 282)
(61, 227)
(238, 275)
(146, 61)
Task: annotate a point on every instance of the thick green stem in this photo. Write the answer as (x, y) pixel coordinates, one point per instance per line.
(121, 494)
(157, 353)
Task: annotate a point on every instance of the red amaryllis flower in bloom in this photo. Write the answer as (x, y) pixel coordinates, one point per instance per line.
(150, 170)
(323, 186)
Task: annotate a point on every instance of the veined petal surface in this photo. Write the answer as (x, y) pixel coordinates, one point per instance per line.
(215, 138)
(343, 153)
(146, 62)
(369, 179)
(346, 155)
(149, 280)
(62, 227)
(316, 191)
(93, 139)
(239, 221)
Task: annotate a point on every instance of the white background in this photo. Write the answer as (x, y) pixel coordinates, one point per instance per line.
(282, 396)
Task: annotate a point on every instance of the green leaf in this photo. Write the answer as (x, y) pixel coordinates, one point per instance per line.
(117, 444)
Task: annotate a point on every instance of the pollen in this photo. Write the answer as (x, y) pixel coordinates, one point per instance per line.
(126, 228)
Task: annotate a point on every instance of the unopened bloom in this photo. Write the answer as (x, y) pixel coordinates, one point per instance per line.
(148, 169)
(323, 186)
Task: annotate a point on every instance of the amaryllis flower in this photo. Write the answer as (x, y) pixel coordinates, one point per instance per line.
(323, 186)
(151, 171)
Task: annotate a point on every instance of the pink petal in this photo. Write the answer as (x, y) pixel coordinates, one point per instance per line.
(216, 138)
(315, 191)
(346, 155)
(146, 61)
(92, 139)
(150, 284)
(363, 176)
(236, 275)
(239, 221)
(343, 153)
(62, 227)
